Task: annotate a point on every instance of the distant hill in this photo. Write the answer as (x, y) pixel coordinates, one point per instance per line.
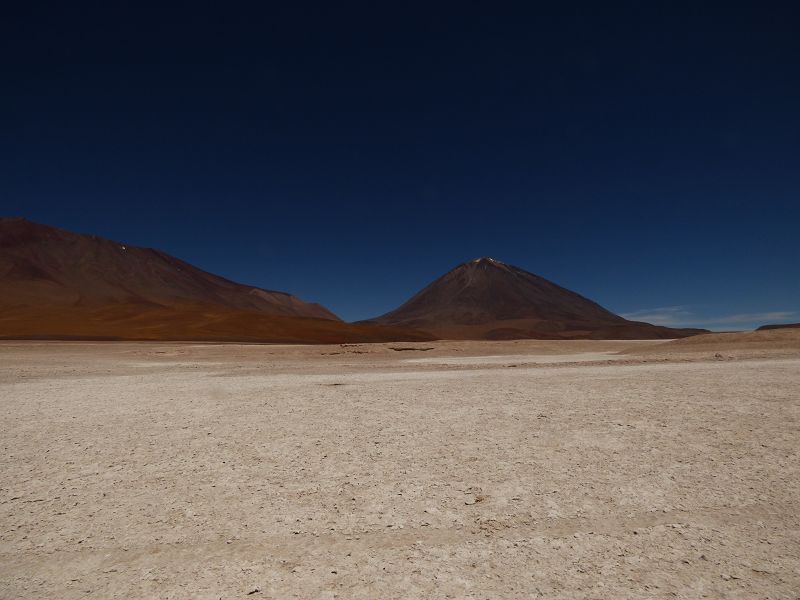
(59, 284)
(771, 341)
(488, 299)
(779, 326)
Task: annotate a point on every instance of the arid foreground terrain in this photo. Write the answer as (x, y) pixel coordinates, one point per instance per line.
(583, 469)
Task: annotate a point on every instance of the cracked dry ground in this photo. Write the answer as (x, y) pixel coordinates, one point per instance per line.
(190, 471)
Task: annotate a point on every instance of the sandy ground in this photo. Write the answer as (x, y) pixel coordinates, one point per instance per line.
(450, 470)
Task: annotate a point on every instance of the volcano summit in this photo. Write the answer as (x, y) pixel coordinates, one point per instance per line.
(488, 299)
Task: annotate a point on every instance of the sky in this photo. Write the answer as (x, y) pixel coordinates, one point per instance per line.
(643, 154)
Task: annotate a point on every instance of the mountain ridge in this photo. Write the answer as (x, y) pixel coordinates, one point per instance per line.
(56, 284)
(41, 264)
(68, 285)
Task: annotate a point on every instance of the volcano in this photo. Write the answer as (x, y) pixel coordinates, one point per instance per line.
(59, 284)
(485, 299)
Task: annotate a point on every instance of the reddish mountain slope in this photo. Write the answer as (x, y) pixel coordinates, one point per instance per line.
(488, 299)
(58, 284)
(41, 265)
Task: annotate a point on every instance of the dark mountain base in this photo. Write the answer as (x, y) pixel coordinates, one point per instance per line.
(520, 329)
(186, 323)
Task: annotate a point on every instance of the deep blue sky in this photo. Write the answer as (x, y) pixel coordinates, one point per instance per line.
(644, 154)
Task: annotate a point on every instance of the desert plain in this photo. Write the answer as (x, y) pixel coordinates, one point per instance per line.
(518, 469)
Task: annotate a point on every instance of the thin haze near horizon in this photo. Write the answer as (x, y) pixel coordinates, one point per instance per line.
(647, 157)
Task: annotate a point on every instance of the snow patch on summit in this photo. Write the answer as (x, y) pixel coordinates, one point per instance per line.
(487, 259)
